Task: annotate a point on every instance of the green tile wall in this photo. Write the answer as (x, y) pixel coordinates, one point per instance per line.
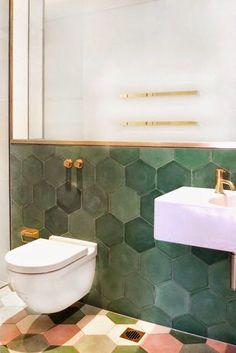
(110, 201)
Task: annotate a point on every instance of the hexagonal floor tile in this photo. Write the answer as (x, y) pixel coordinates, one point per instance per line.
(95, 344)
(28, 344)
(186, 338)
(100, 325)
(120, 319)
(198, 348)
(61, 349)
(60, 334)
(220, 347)
(127, 349)
(71, 316)
(34, 324)
(161, 343)
(8, 332)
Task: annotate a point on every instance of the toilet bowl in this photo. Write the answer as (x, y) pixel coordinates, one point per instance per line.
(50, 275)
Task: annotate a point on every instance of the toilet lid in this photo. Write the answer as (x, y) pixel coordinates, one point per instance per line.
(42, 255)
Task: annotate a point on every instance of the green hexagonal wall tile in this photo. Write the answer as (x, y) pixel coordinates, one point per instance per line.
(173, 250)
(223, 332)
(205, 176)
(220, 277)
(139, 291)
(109, 175)
(192, 158)
(55, 172)
(43, 152)
(102, 256)
(125, 204)
(210, 256)
(109, 230)
(22, 191)
(44, 195)
(15, 164)
(95, 201)
(32, 169)
(82, 225)
(139, 235)
(172, 299)
(140, 176)
(231, 312)
(32, 216)
(188, 323)
(190, 272)
(56, 221)
(68, 198)
(124, 306)
(155, 315)
(147, 205)
(85, 177)
(156, 266)
(21, 151)
(65, 152)
(124, 156)
(172, 176)
(225, 159)
(112, 284)
(123, 259)
(156, 157)
(208, 308)
(95, 154)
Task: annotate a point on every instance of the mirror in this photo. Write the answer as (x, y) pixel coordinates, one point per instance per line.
(123, 70)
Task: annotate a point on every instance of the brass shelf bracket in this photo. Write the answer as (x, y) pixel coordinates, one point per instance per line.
(160, 94)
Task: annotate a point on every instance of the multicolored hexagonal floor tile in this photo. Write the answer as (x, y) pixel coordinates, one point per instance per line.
(83, 328)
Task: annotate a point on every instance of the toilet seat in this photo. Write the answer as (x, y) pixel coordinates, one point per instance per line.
(42, 256)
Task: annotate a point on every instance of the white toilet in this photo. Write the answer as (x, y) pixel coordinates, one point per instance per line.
(50, 275)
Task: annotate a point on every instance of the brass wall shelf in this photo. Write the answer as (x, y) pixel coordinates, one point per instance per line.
(159, 94)
(161, 123)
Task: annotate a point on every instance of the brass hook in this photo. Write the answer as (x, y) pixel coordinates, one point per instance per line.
(79, 164)
(68, 163)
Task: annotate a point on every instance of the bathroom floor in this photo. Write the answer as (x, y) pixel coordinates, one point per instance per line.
(86, 329)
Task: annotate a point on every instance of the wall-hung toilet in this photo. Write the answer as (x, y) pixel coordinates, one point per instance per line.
(50, 275)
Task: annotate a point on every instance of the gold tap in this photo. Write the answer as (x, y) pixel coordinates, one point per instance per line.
(220, 182)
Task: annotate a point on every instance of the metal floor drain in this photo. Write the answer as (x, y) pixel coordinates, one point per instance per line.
(132, 335)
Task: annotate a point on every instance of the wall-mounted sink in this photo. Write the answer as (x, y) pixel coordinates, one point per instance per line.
(197, 217)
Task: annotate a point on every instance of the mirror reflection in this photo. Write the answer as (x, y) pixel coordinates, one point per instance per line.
(124, 70)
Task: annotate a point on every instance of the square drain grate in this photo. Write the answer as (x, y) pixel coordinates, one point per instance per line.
(132, 334)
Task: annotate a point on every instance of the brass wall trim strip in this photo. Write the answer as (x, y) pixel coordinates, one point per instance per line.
(159, 94)
(161, 144)
(161, 123)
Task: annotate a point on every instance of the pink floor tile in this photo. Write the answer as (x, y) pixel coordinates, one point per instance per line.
(60, 334)
(17, 317)
(220, 347)
(8, 332)
(161, 343)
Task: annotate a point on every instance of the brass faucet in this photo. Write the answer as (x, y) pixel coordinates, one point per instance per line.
(220, 182)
